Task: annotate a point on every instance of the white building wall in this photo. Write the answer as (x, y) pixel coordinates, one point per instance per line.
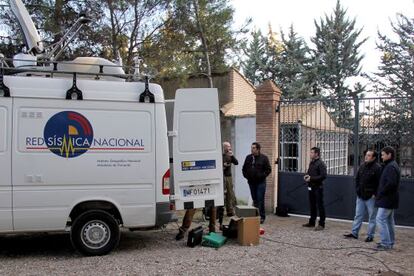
(244, 136)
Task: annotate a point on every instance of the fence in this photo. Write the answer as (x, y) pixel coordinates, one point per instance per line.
(343, 129)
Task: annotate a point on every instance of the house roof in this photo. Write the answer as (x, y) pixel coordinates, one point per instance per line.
(369, 121)
(313, 115)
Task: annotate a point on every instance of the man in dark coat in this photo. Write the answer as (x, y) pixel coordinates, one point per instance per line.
(387, 198)
(314, 177)
(255, 169)
(366, 185)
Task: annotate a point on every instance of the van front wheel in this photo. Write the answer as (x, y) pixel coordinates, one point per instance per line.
(95, 232)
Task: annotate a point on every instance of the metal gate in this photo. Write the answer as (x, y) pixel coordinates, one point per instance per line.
(343, 129)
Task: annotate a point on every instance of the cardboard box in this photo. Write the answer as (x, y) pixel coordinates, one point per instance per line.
(248, 231)
(246, 211)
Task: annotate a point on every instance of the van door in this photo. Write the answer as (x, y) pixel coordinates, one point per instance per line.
(6, 221)
(198, 173)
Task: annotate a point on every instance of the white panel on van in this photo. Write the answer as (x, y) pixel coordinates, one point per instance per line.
(204, 139)
(198, 173)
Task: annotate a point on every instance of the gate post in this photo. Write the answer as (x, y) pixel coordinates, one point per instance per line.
(267, 134)
(356, 135)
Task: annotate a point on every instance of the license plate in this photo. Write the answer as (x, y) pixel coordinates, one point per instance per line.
(197, 191)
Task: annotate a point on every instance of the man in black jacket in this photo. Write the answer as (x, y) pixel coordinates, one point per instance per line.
(366, 184)
(314, 178)
(387, 198)
(255, 169)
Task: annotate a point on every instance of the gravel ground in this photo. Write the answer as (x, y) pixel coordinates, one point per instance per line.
(281, 252)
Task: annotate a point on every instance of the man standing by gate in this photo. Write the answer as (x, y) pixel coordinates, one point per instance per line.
(366, 184)
(387, 198)
(255, 169)
(314, 178)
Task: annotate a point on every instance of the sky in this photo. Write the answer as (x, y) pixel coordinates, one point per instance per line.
(372, 15)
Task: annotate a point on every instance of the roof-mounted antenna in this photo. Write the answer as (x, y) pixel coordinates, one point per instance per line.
(31, 35)
(137, 61)
(68, 37)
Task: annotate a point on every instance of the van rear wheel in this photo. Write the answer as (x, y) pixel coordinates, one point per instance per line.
(95, 232)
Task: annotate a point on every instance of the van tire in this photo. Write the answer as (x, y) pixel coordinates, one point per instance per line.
(95, 233)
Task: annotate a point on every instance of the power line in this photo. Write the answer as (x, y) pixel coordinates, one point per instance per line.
(377, 259)
(317, 248)
(337, 249)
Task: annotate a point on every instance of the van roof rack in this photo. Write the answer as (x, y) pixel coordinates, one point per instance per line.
(50, 68)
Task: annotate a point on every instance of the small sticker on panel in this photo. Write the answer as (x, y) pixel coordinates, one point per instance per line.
(198, 165)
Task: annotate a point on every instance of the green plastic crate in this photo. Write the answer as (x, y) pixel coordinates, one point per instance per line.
(214, 240)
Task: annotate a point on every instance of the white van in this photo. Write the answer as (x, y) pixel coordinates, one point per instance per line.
(89, 166)
(82, 149)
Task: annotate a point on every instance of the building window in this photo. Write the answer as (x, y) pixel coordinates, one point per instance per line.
(334, 151)
(289, 148)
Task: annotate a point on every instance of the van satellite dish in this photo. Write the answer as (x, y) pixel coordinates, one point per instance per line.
(31, 35)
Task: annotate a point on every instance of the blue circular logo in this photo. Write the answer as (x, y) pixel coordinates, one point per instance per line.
(68, 134)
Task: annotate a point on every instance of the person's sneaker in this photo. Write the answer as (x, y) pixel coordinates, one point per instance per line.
(381, 247)
(319, 228)
(180, 235)
(350, 236)
(308, 225)
(262, 220)
(369, 239)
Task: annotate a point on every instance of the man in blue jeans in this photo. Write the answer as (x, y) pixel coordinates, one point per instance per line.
(387, 198)
(255, 169)
(366, 185)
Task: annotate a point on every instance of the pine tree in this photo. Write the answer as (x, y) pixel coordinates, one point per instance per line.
(294, 66)
(255, 66)
(396, 70)
(198, 29)
(274, 49)
(337, 58)
(172, 37)
(285, 61)
(53, 19)
(396, 79)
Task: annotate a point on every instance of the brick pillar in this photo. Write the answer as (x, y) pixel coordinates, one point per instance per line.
(267, 135)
